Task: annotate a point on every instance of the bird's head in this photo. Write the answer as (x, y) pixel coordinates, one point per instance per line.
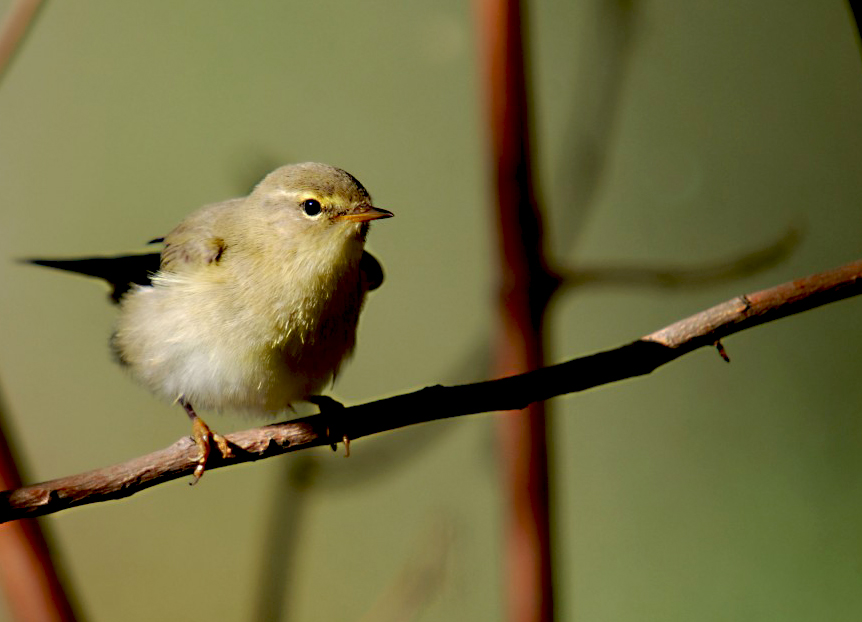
(315, 206)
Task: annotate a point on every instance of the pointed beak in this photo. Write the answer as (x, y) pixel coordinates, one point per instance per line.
(364, 213)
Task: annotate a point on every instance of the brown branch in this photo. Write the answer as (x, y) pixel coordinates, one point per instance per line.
(516, 392)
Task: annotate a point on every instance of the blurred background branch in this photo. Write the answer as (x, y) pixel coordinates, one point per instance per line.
(524, 286)
(13, 30)
(679, 276)
(27, 571)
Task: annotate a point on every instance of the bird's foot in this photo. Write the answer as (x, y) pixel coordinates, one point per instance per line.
(202, 434)
(332, 410)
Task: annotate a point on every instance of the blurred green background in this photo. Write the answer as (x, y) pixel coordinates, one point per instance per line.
(673, 132)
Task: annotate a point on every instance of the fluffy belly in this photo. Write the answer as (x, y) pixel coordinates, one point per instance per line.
(227, 359)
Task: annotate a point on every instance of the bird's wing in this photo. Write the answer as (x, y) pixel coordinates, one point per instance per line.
(120, 271)
(371, 272)
(192, 243)
(195, 242)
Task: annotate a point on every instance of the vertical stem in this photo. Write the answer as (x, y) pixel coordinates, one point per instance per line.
(525, 286)
(27, 574)
(276, 584)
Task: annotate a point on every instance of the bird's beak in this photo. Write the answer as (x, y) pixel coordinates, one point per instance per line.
(364, 213)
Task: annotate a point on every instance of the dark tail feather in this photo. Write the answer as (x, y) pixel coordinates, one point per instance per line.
(121, 271)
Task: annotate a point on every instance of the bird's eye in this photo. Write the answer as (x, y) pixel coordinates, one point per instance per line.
(311, 207)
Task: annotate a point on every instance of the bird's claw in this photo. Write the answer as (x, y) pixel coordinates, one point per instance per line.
(331, 409)
(202, 434)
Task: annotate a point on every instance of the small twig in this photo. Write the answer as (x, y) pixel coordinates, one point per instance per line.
(721, 351)
(635, 359)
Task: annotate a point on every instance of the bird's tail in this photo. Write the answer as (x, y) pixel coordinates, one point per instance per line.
(120, 271)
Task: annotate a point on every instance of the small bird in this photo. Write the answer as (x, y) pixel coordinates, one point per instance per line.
(253, 303)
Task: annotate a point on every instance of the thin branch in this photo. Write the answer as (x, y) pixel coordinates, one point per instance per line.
(437, 402)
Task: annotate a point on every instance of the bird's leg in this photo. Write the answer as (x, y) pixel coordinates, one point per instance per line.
(201, 433)
(331, 409)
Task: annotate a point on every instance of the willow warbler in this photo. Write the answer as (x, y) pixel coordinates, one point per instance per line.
(255, 302)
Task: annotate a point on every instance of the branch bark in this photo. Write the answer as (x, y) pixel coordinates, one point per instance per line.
(638, 358)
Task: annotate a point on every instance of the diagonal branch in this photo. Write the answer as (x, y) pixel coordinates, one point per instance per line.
(437, 402)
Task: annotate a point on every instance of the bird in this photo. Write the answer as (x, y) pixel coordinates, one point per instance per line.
(252, 304)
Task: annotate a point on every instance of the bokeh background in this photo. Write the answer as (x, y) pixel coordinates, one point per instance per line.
(667, 132)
